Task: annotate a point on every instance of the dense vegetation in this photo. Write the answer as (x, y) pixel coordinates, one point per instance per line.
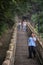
(37, 17)
(31, 8)
(6, 14)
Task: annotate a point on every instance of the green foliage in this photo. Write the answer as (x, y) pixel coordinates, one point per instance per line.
(38, 16)
(6, 14)
(9, 8)
(41, 29)
(34, 18)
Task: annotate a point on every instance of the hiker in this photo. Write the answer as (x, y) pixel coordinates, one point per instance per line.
(19, 25)
(32, 45)
(24, 25)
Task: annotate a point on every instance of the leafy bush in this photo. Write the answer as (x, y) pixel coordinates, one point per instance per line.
(34, 18)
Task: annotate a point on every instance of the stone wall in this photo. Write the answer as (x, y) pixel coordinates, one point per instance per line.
(10, 54)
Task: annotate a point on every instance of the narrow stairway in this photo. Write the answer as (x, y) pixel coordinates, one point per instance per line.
(21, 57)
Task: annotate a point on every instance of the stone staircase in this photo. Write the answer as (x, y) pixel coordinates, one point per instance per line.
(21, 57)
(18, 49)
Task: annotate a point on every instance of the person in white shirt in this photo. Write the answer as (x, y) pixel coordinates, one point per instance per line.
(24, 25)
(19, 25)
